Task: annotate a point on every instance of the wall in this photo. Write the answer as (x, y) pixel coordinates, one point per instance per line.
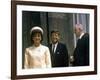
(5, 40)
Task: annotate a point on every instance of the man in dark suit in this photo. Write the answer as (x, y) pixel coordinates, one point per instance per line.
(81, 52)
(59, 53)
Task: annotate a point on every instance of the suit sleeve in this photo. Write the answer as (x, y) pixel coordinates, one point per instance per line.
(66, 58)
(87, 50)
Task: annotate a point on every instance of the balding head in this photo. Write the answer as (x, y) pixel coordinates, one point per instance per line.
(78, 29)
(79, 26)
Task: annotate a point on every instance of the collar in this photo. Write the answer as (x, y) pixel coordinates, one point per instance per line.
(81, 35)
(37, 46)
(55, 44)
(54, 47)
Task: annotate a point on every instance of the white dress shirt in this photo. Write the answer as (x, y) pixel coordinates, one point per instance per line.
(55, 46)
(81, 35)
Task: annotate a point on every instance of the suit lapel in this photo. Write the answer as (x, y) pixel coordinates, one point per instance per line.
(51, 48)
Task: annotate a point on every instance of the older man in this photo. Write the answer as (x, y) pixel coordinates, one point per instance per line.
(81, 52)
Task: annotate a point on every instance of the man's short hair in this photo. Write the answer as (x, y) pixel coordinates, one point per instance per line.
(55, 31)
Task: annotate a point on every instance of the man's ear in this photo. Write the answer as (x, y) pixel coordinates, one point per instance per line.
(80, 29)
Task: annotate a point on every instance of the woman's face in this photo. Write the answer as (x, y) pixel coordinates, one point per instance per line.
(37, 39)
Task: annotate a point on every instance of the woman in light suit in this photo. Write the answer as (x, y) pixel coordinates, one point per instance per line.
(37, 55)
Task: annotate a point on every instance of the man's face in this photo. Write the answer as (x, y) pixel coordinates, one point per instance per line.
(77, 31)
(54, 37)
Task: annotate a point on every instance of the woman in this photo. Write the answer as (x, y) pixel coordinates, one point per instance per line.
(37, 55)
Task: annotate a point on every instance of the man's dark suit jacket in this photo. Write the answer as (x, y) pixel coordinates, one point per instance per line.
(60, 57)
(81, 52)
